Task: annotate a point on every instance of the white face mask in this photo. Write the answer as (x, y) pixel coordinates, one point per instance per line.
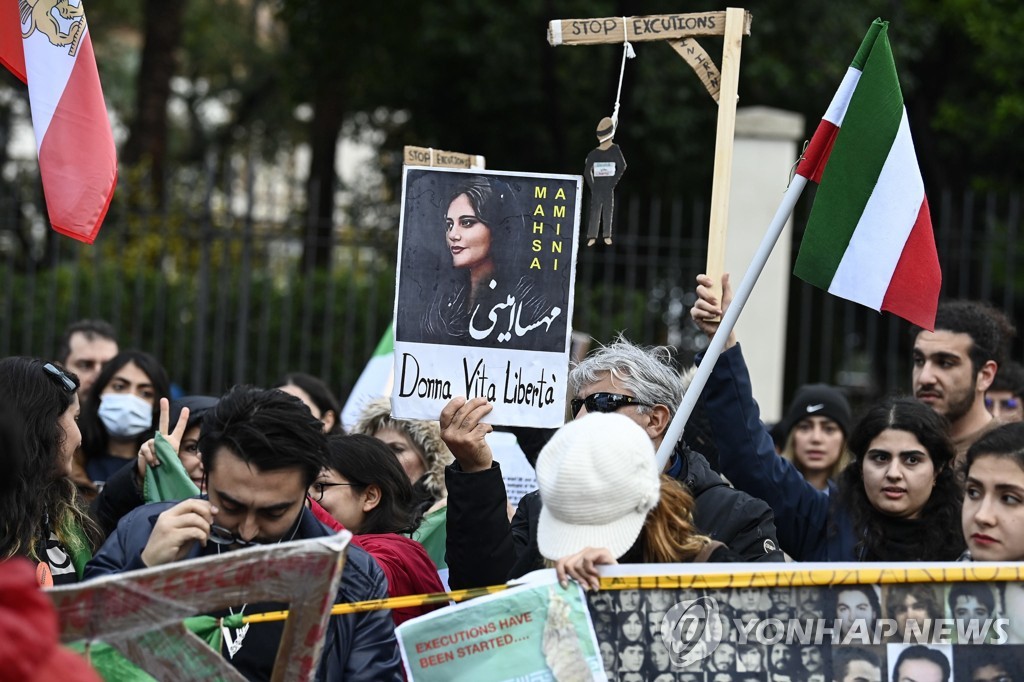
(125, 415)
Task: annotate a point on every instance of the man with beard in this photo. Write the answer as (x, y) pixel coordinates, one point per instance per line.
(955, 364)
(781, 663)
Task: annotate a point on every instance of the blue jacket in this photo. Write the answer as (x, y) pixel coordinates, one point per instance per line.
(359, 646)
(810, 525)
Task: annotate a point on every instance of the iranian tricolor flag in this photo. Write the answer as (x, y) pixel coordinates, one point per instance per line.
(47, 45)
(376, 381)
(869, 237)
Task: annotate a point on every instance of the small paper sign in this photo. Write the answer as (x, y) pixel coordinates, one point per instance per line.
(536, 632)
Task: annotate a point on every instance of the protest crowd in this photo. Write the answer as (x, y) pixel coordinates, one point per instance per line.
(108, 468)
(932, 475)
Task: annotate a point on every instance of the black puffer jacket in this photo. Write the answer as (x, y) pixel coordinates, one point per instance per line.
(485, 549)
(359, 646)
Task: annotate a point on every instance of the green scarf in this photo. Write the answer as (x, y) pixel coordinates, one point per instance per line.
(169, 481)
(112, 666)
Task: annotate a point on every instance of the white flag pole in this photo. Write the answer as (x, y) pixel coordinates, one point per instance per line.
(717, 345)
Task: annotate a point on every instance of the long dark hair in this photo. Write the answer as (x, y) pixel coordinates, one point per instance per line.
(36, 490)
(497, 207)
(941, 537)
(365, 461)
(319, 393)
(95, 439)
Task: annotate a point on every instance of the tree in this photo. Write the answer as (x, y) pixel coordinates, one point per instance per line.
(147, 138)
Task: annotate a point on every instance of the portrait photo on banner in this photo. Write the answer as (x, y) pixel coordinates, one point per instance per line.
(484, 293)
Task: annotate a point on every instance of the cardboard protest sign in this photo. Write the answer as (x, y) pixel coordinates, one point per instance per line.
(486, 267)
(536, 632)
(811, 622)
(141, 613)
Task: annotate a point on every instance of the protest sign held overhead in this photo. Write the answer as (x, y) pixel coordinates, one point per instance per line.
(486, 267)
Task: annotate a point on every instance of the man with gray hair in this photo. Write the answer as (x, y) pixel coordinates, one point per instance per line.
(484, 548)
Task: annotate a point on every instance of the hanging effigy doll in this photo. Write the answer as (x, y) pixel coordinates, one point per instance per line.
(604, 168)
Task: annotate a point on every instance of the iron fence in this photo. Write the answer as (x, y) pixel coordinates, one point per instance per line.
(214, 284)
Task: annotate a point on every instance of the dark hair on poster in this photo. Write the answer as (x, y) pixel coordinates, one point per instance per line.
(486, 260)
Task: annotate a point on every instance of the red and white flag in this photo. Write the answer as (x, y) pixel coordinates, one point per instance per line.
(52, 52)
(869, 238)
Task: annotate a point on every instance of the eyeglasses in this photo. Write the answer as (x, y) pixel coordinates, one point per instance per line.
(61, 377)
(219, 535)
(603, 402)
(320, 487)
(1005, 403)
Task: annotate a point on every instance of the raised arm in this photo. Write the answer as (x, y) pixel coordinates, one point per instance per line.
(746, 452)
(480, 546)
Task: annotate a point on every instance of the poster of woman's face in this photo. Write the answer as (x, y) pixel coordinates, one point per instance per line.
(486, 269)
(471, 241)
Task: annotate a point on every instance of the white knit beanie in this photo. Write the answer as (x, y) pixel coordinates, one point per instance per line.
(598, 480)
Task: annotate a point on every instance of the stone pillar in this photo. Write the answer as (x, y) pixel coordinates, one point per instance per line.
(767, 144)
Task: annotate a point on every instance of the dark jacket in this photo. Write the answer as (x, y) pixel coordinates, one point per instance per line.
(359, 646)
(811, 526)
(121, 494)
(485, 549)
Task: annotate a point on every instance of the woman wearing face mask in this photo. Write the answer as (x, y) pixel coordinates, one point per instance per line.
(121, 413)
(39, 515)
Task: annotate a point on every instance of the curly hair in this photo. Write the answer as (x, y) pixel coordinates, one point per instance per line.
(941, 538)
(37, 491)
(990, 330)
(425, 436)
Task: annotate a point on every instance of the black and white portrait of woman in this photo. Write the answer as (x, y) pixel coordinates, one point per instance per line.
(471, 273)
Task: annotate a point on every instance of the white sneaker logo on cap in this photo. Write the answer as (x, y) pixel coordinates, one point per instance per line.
(815, 408)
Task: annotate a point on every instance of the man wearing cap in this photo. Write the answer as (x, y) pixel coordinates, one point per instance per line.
(640, 383)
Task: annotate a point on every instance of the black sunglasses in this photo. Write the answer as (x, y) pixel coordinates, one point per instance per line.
(61, 377)
(603, 402)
